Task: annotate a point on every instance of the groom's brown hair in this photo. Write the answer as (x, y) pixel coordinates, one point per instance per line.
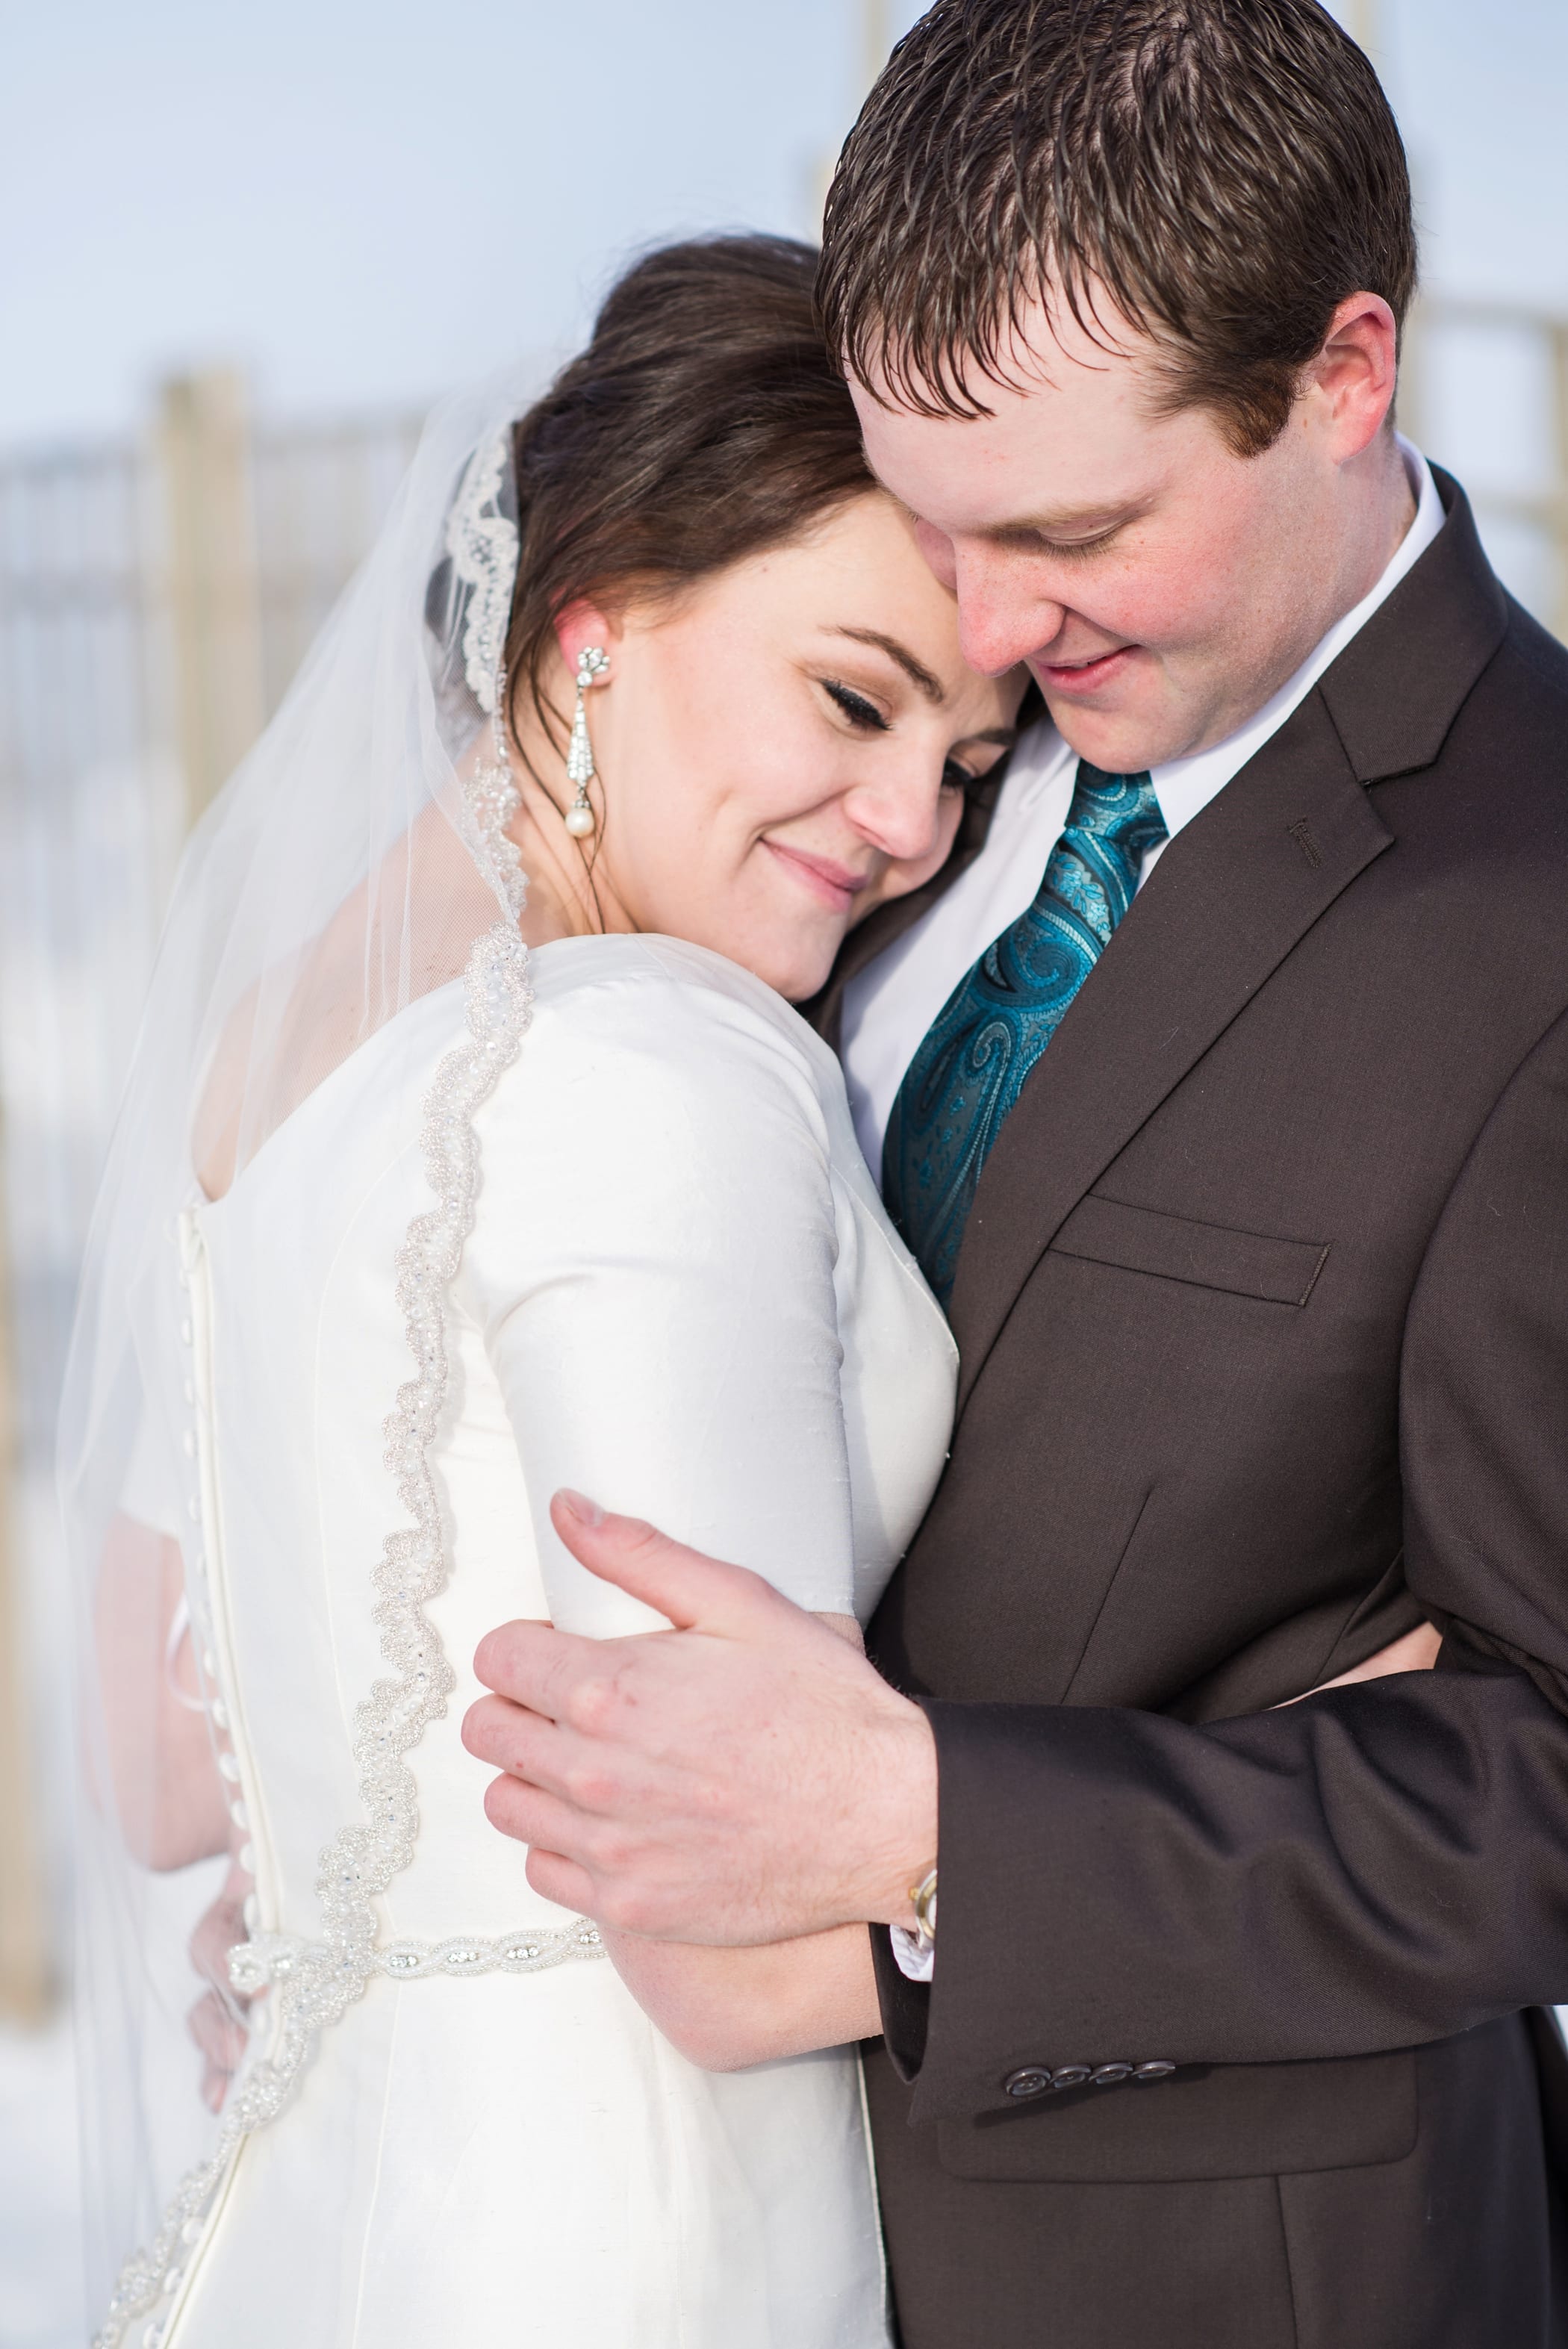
(1227, 171)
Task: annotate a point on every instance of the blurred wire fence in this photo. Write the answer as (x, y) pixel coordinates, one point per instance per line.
(155, 600)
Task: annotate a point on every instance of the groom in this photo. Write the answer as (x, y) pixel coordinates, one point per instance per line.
(1243, 1157)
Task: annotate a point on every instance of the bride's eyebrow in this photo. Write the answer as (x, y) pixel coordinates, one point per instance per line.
(916, 671)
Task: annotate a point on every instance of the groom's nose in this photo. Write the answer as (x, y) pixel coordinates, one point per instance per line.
(1002, 616)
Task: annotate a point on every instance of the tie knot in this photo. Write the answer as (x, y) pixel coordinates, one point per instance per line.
(1121, 809)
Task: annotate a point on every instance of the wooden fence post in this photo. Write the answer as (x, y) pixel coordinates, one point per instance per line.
(876, 39)
(24, 1971)
(1559, 507)
(1411, 408)
(1359, 19)
(211, 581)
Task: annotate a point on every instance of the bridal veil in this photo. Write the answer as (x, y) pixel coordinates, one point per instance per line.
(352, 864)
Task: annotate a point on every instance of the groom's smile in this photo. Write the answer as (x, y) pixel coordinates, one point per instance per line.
(1064, 679)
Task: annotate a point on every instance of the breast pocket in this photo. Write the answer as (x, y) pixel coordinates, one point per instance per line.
(1206, 1256)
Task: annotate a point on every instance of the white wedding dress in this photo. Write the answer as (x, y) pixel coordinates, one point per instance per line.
(681, 1295)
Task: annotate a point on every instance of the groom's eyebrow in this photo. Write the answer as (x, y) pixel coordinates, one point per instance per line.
(916, 671)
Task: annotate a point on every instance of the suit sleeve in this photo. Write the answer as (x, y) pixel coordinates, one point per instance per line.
(1377, 1867)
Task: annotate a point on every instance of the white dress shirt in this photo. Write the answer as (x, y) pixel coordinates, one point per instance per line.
(889, 1005)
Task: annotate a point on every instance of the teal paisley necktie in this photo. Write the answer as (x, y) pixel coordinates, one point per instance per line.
(972, 1061)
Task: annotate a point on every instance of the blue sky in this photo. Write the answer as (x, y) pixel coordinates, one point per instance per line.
(364, 202)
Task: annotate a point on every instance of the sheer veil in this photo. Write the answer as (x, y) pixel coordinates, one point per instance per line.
(355, 862)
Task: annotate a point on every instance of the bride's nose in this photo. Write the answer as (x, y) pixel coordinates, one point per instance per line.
(900, 811)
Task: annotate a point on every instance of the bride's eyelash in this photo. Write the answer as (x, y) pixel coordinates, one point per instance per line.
(855, 707)
(955, 777)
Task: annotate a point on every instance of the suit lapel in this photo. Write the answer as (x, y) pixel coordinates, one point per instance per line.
(1230, 897)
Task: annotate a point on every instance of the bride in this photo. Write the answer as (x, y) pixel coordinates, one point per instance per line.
(439, 1188)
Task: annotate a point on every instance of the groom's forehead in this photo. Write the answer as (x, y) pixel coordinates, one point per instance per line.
(1070, 419)
(1049, 340)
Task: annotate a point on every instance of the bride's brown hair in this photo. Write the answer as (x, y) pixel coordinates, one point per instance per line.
(703, 423)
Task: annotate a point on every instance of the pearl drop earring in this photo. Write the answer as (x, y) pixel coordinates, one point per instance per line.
(592, 667)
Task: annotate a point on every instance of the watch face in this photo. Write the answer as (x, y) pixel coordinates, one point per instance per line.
(924, 1897)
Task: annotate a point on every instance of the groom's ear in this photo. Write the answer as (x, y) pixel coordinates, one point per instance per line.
(1353, 380)
(578, 625)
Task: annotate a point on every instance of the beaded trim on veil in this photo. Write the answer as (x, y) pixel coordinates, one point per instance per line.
(315, 1982)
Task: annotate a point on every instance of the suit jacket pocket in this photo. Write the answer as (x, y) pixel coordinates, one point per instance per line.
(1205, 2121)
(1174, 1248)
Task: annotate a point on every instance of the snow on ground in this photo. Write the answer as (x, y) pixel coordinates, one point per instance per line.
(40, 2266)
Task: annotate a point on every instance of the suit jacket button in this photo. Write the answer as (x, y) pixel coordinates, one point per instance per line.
(1158, 2070)
(1106, 2075)
(1029, 2080)
(1071, 2075)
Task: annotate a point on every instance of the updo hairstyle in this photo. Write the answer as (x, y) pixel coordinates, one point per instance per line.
(703, 423)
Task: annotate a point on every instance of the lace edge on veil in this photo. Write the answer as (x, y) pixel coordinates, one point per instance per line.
(318, 1980)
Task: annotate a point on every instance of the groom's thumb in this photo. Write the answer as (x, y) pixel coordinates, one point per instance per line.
(680, 1583)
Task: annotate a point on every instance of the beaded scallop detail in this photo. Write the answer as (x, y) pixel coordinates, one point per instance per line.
(317, 1981)
(268, 1958)
(482, 543)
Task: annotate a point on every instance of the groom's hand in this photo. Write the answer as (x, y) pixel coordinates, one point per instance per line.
(745, 1776)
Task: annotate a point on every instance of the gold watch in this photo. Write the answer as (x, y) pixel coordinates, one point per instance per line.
(923, 1899)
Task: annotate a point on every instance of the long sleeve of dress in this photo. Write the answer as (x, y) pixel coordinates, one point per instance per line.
(654, 1265)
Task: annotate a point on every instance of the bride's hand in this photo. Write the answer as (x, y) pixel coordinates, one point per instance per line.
(1414, 1652)
(221, 2039)
(218, 2022)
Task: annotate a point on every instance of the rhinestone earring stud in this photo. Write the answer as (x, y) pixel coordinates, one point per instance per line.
(592, 667)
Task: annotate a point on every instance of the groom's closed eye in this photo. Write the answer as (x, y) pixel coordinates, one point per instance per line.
(1066, 535)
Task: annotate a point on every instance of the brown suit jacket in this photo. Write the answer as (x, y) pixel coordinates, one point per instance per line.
(1262, 1312)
